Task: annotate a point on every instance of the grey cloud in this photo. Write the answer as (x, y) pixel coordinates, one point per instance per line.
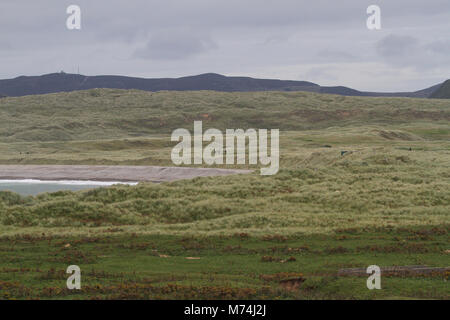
(174, 46)
(403, 51)
(320, 74)
(396, 46)
(440, 47)
(335, 56)
(5, 45)
(276, 39)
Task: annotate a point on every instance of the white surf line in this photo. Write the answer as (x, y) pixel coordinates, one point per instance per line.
(68, 182)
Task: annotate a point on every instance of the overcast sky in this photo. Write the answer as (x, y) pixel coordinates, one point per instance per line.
(323, 41)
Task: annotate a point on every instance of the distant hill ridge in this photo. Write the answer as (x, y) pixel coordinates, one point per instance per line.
(443, 92)
(64, 82)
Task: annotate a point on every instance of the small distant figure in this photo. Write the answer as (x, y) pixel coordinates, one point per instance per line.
(343, 152)
(410, 149)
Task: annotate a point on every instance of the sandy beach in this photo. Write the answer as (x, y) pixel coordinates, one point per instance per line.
(109, 173)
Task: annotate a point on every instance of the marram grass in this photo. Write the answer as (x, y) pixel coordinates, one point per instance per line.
(386, 201)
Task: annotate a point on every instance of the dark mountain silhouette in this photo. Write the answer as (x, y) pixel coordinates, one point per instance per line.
(443, 92)
(63, 82)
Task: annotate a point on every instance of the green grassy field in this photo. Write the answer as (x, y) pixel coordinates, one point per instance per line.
(384, 202)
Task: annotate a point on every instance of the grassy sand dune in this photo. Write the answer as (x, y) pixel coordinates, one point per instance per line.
(384, 201)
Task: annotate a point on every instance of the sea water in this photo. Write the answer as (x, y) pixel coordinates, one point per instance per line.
(31, 187)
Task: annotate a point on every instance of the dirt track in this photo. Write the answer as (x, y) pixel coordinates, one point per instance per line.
(109, 173)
